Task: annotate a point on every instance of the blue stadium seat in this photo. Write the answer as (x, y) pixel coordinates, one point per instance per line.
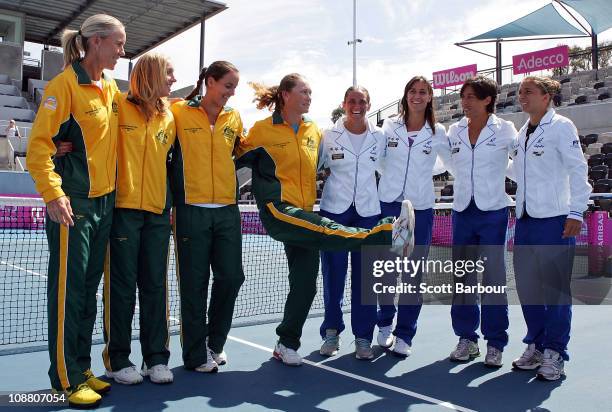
(590, 139)
(603, 186)
(598, 172)
(596, 159)
(447, 191)
(604, 204)
(581, 99)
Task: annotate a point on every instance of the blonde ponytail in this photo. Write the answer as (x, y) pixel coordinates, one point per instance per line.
(74, 42)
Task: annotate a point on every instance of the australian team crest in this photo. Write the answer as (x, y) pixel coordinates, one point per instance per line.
(229, 134)
(162, 137)
(310, 143)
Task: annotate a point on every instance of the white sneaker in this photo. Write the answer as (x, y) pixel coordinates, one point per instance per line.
(552, 368)
(286, 355)
(403, 231)
(401, 348)
(465, 350)
(363, 349)
(331, 343)
(125, 376)
(158, 373)
(493, 359)
(384, 337)
(210, 366)
(220, 358)
(530, 359)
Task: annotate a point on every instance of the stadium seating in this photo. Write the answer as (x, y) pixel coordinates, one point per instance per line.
(596, 159)
(589, 139)
(598, 172)
(447, 190)
(603, 186)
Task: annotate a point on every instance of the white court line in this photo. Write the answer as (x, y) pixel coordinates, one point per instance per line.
(31, 272)
(365, 380)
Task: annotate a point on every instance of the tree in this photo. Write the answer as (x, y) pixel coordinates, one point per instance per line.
(337, 113)
(580, 59)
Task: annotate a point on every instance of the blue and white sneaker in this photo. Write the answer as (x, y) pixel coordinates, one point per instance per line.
(552, 368)
(403, 231)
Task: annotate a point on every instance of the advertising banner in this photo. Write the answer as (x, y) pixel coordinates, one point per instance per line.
(540, 60)
(453, 77)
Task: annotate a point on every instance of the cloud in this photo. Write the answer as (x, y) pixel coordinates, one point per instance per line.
(269, 38)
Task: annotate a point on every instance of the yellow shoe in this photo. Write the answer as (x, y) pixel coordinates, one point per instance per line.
(96, 384)
(83, 397)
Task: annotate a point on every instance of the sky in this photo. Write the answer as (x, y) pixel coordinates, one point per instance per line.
(267, 39)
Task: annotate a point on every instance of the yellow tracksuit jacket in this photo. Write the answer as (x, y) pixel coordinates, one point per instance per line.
(202, 169)
(142, 150)
(283, 163)
(74, 110)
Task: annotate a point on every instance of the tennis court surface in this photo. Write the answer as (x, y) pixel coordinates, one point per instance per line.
(253, 380)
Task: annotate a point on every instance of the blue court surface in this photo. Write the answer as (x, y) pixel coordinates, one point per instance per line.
(254, 381)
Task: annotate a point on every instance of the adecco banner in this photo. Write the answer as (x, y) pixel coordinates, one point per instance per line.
(540, 60)
(453, 77)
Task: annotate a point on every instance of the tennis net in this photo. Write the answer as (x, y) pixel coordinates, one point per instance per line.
(24, 260)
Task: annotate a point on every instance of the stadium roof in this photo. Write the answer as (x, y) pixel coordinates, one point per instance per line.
(147, 22)
(597, 12)
(543, 22)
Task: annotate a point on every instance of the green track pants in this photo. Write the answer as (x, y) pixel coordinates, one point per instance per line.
(138, 257)
(207, 238)
(304, 235)
(76, 262)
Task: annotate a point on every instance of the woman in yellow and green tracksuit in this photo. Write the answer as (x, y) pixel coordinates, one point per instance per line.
(79, 190)
(140, 234)
(206, 216)
(282, 151)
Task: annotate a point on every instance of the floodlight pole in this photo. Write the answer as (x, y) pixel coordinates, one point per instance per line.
(202, 35)
(354, 42)
(594, 53)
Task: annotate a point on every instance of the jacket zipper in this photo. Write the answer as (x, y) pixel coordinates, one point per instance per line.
(355, 185)
(525, 180)
(298, 142)
(103, 96)
(406, 173)
(472, 170)
(144, 159)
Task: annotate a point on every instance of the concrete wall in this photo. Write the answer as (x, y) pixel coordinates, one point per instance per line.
(11, 60)
(182, 92)
(597, 116)
(16, 183)
(123, 85)
(52, 64)
(15, 22)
